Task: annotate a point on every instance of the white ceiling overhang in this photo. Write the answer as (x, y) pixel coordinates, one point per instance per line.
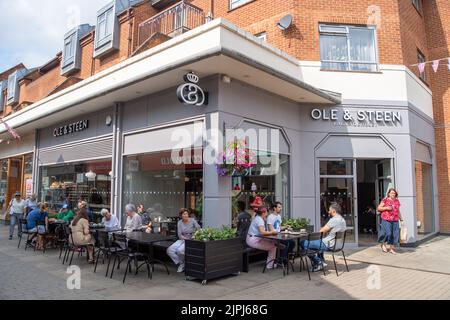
(217, 47)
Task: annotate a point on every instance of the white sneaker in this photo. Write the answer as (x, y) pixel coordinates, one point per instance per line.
(181, 268)
(325, 265)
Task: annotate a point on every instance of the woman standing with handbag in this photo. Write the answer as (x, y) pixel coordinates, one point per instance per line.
(16, 210)
(390, 216)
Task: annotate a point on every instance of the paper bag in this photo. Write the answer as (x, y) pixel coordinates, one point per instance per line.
(403, 233)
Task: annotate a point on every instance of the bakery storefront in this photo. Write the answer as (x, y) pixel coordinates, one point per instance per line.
(75, 162)
(16, 168)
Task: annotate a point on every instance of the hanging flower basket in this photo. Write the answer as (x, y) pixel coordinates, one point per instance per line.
(235, 160)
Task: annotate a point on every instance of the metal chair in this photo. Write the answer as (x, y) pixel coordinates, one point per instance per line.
(128, 254)
(42, 232)
(23, 223)
(305, 253)
(339, 244)
(104, 247)
(72, 247)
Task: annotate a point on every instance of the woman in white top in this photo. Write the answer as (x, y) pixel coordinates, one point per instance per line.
(109, 221)
(16, 209)
(258, 228)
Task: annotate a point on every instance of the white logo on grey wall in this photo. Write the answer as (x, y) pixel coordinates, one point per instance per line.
(190, 92)
(358, 116)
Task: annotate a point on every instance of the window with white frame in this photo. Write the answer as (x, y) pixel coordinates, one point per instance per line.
(105, 27)
(421, 59)
(348, 48)
(237, 3)
(262, 36)
(69, 49)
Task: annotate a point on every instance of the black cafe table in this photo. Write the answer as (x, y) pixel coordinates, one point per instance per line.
(148, 240)
(283, 236)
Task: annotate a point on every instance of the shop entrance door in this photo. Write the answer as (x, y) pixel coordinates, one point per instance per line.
(14, 177)
(374, 179)
(358, 186)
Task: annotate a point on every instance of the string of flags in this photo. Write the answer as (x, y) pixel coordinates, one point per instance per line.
(434, 64)
(13, 132)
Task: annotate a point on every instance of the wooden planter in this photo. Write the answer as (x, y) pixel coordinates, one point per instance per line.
(214, 259)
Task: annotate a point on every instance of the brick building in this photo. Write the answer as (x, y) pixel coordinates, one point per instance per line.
(367, 52)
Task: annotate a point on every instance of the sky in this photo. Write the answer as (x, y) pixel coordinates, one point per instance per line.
(32, 31)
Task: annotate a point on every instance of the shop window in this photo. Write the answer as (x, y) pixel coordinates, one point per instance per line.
(28, 169)
(162, 186)
(269, 179)
(348, 48)
(337, 186)
(237, 3)
(336, 168)
(69, 183)
(3, 184)
(424, 199)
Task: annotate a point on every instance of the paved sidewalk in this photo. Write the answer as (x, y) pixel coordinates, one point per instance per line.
(419, 273)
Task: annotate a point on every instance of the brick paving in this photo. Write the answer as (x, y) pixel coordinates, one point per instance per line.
(415, 273)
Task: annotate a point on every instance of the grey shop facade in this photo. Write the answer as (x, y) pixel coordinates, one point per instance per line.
(350, 154)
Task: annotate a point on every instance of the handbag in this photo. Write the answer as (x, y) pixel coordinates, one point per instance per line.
(403, 232)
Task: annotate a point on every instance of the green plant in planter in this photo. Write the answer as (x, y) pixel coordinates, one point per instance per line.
(212, 234)
(297, 224)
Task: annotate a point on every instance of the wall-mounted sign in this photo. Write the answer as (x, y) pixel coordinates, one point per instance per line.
(190, 92)
(71, 128)
(363, 118)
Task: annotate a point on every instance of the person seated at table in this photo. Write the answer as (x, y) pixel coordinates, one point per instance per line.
(30, 204)
(109, 221)
(82, 204)
(65, 214)
(274, 222)
(242, 216)
(186, 229)
(39, 214)
(256, 231)
(80, 233)
(335, 224)
(134, 221)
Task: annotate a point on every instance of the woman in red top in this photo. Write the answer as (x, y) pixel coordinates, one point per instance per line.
(390, 215)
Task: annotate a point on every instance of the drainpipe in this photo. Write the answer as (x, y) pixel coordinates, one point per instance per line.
(116, 179)
(130, 30)
(35, 175)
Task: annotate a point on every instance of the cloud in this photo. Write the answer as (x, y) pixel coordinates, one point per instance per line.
(32, 31)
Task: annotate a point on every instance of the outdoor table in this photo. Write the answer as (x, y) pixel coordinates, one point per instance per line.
(148, 239)
(283, 237)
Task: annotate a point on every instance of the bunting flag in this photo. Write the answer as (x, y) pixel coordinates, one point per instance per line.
(436, 65)
(448, 65)
(10, 130)
(421, 67)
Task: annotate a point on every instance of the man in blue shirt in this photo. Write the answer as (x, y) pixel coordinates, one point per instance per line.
(39, 214)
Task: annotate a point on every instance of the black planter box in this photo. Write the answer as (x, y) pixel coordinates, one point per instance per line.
(214, 259)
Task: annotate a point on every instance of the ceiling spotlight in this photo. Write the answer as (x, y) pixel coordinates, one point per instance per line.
(226, 79)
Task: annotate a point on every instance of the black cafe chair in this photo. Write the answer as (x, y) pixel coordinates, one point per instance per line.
(104, 248)
(339, 244)
(23, 223)
(130, 254)
(305, 253)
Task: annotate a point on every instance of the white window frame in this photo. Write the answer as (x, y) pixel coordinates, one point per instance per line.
(237, 3)
(262, 35)
(102, 39)
(68, 57)
(344, 31)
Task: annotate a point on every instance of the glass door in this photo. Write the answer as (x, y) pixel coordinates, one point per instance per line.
(337, 184)
(384, 182)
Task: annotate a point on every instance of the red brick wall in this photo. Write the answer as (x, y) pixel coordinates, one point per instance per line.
(437, 20)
